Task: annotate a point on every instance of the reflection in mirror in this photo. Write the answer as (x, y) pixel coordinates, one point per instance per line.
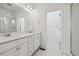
(12, 25)
(8, 25)
(20, 24)
(3, 24)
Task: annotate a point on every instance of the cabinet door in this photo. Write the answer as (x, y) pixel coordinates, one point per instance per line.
(36, 41)
(20, 50)
(31, 45)
(9, 53)
(23, 49)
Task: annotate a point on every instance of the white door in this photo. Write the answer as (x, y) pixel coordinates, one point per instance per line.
(54, 29)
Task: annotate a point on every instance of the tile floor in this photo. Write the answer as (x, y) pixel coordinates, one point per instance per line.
(47, 52)
(51, 50)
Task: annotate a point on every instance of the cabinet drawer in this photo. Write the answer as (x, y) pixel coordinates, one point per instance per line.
(6, 46)
(36, 41)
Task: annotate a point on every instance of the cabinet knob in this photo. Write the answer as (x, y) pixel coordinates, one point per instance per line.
(18, 48)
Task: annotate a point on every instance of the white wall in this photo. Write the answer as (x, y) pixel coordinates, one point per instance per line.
(40, 25)
(66, 30)
(42, 10)
(75, 29)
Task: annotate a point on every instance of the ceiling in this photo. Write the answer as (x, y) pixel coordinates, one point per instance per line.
(40, 6)
(12, 7)
(49, 6)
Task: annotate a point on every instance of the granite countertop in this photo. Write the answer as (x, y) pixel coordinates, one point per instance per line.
(14, 36)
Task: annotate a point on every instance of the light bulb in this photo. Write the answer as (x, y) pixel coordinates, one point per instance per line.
(28, 6)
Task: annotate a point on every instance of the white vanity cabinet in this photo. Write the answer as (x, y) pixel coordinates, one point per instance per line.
(23, 46)
(15, 48)
(36, 41)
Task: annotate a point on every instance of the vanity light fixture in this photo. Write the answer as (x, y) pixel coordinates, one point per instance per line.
(29, 8)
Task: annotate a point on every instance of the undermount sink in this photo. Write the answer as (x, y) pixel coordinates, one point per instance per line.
(7, 35)
(11, 35)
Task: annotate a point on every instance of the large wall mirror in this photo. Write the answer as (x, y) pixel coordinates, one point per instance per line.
(8, 25)
(13, 19)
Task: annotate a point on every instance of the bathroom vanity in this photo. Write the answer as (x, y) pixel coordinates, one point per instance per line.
(16, 31)
(20, 44)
